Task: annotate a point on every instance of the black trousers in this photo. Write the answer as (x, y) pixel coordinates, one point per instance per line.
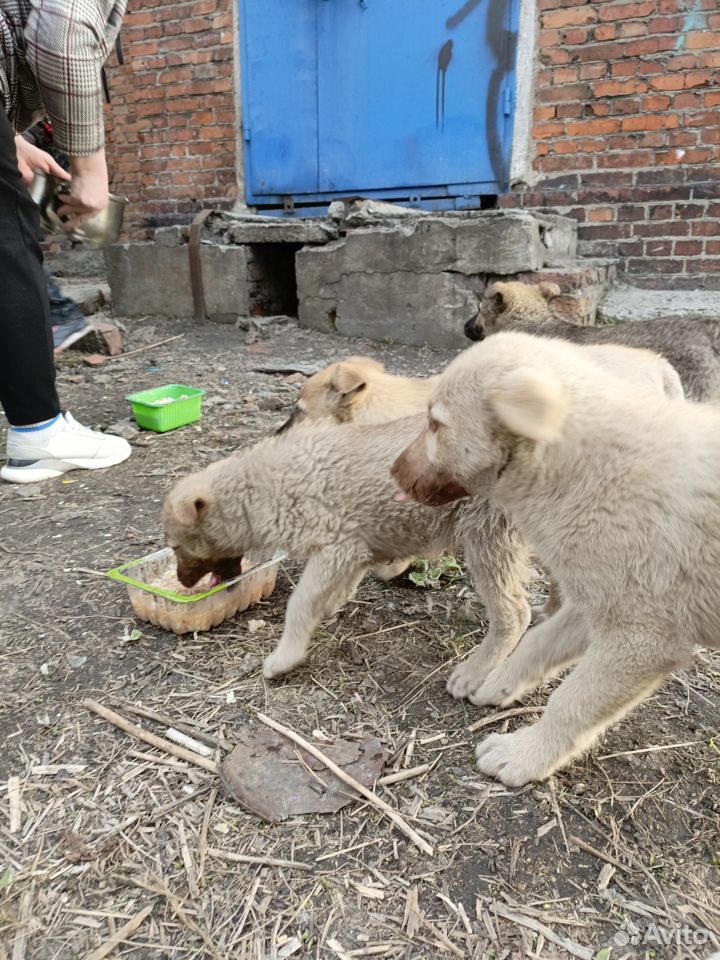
(27, 368)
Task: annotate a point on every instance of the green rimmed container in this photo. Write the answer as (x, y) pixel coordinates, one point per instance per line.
(166, 408)
(194, 612)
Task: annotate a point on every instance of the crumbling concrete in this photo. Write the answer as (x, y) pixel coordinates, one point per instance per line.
(251, 229)
(149, 278)
(420, 278)
(629, 303)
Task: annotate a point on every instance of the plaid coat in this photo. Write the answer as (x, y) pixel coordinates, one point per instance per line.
(51, 57)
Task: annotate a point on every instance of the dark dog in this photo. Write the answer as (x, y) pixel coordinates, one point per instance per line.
(692, 347)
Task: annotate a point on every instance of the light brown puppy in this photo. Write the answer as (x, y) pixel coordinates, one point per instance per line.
(618, 489)
(358, 390)
(324, 493)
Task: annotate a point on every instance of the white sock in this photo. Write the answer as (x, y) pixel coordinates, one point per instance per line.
(46, 427)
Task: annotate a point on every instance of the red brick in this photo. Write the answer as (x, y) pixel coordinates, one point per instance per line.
(601, 214)
(570, 18)
(649, 45)
(658, 102)
(626, 11)
(616, 88)
(658, 248)
(573, 36)
(712, 98)
(565, 75)
(688, 248)
(702, 40)
(591, 127)
(605, 31)
(651, 122)
(633, 28)
(671, 82)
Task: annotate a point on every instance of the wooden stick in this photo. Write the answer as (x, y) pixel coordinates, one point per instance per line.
(503, 715)
(158, 742)
(125, 931)
(570, 946)
(351, 782)
(149, 346)
(260, 861)
(13, 789)
(404, 775)
(577, 842)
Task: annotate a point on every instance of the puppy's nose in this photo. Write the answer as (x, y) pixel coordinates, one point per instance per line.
(474, 330)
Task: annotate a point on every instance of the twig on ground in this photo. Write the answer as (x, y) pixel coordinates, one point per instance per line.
(13, 789)
(503, 715)
(148, 346)
(260, 861)
(404, 774)
(574, 949)
(588, 848)
(656, 749)
(351, 782)
(158, 742)
(120, 935)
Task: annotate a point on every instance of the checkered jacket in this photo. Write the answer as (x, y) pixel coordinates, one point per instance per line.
(51, 57)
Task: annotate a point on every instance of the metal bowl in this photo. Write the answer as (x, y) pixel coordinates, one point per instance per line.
(99, 231)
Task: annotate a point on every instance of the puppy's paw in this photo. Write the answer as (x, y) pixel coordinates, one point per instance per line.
(499, 689)
(388, 571)
(468, 676)
(514, 758)
(279, 663)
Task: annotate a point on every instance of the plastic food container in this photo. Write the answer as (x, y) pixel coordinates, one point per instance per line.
(166, 408)
(188, 613)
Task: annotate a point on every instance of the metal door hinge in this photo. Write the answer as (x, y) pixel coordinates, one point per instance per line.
(507, 101)
(246, 134)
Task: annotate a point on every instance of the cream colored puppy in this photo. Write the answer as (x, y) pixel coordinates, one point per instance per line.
(618, 489)
(358, 390)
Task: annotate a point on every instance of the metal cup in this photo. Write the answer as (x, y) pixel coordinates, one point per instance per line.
(99, 231)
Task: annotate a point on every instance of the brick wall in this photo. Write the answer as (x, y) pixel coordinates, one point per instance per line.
(171, 124)
(627, 134)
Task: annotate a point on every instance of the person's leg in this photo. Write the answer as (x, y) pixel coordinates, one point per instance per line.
(41, 442)
(27, 370)
(67, 319)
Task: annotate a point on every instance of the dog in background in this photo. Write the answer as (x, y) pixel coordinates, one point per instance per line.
(692, 347)
(618, 489)
(358, 390)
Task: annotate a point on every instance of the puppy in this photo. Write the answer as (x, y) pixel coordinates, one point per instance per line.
(324, 493)
(358, 390)
(692, 347)
(618, 489)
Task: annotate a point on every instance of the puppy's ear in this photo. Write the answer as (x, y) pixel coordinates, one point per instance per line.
(189, 507)
(499, 293)
(548, 290)
(531, 404)
(348, 380)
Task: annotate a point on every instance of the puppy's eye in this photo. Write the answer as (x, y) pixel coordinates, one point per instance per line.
(433, 425)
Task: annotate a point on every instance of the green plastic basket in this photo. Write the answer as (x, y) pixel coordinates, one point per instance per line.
(166, 408)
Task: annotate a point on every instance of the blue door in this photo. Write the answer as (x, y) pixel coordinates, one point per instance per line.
(403, 99)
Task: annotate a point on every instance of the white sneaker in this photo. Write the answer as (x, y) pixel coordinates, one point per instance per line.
(64, 445)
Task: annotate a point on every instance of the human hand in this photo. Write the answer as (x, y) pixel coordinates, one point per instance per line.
(89, 192)
(31, 158)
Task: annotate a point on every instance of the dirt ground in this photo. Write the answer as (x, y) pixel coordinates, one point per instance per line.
(618, 856)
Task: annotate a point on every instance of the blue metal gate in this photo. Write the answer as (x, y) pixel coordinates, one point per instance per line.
(404, 99)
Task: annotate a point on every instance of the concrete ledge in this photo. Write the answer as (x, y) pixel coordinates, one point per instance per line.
(631, 303)
(152, 279)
